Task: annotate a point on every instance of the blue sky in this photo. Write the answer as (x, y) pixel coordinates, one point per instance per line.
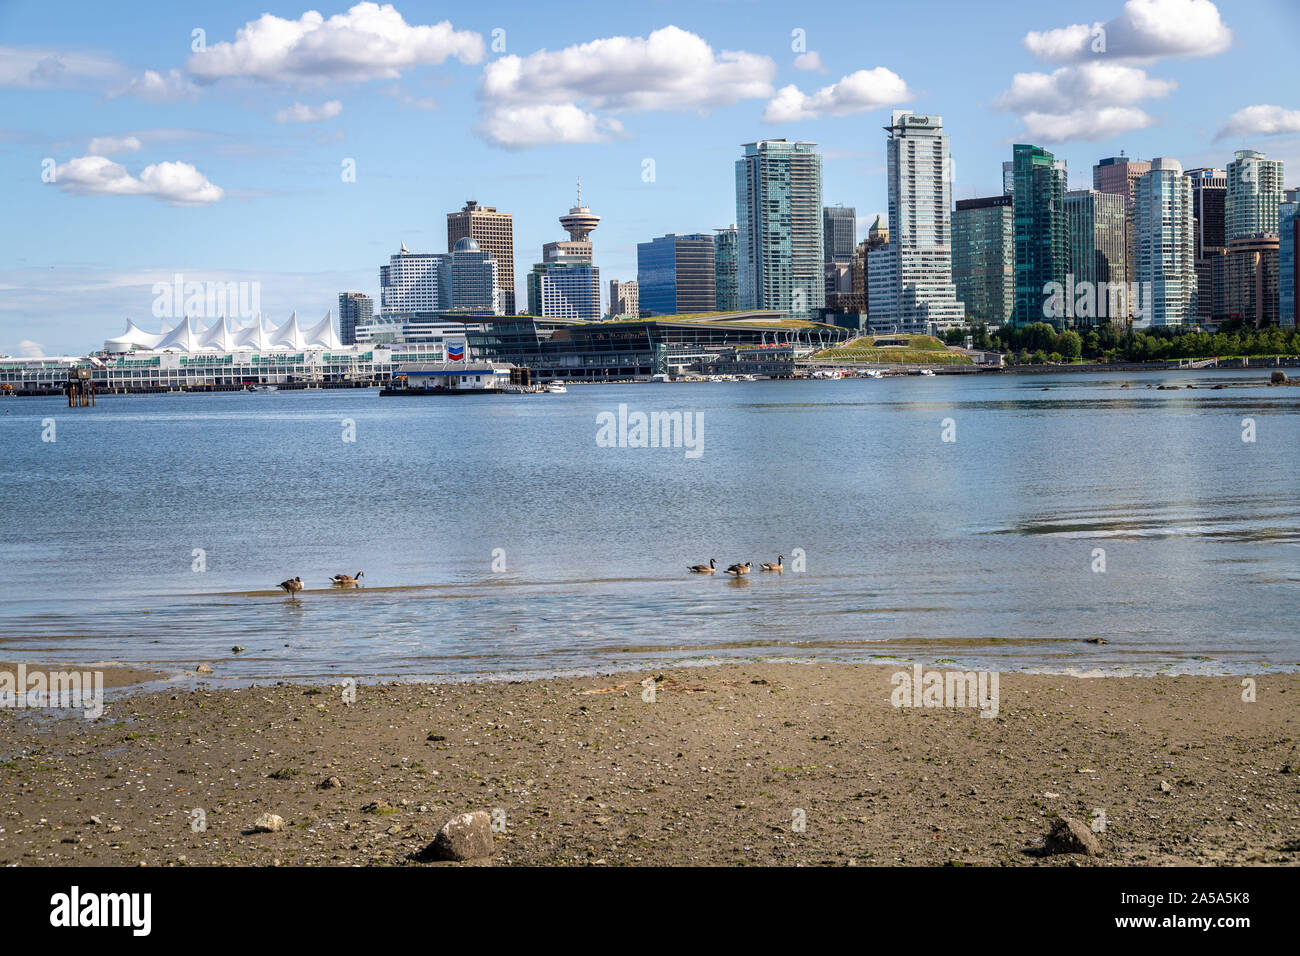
(434, 115)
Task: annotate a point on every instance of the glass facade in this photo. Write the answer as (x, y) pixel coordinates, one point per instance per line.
(1255, 190)
(779, 228)
(1288, 224)
(1165, 238)
(565, 287)
(355, 309)
(725, 263)
(839, 233)
(675, 275)
(983, 258)
(1095, 222)
(1041, 237)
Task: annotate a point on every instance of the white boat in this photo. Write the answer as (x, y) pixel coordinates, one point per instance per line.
(263, 388)
(556, 388)
(875, 373)
(927, 371)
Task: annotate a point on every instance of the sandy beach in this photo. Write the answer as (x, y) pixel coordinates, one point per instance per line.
(755, 763)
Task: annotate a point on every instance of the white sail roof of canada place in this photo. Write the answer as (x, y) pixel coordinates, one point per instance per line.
(223, 335)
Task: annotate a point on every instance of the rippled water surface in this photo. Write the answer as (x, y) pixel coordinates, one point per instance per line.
(979, 550)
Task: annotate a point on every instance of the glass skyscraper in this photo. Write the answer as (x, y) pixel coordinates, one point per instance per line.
(1166, 244)
(923, 298)
(779, 228)
(474, 278)
(1042, 240)
(839, 233)
(1095, 222)
(675, 275)
(983, 258)
(1288, 256)
(725, 264)
(415, 282)
(355, 309)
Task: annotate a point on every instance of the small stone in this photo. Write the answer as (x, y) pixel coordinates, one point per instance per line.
(268, 823)
(237, 648)
(1068, 835)
(97, 821)
(1166, 786)
(203, 669)
(377, 806)
(330, 783)
(466, 837)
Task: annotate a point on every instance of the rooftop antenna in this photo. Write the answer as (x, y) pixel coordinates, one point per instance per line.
(579, 192)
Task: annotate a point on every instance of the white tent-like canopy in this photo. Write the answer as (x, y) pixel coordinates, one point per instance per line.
(189, 335)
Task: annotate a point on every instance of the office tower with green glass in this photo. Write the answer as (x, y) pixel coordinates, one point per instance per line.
(725, 263)
(1042, 241)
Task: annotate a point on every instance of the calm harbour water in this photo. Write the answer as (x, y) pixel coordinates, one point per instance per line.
(979, 551)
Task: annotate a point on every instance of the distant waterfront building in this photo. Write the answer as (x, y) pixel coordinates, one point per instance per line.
(1165, 238)
(779, 228)
(1119, 175)
(1009, 178)
(566, 283)
(882, 290)
(1209, 190)
(624, 299)
(725, 265)
(566, 287)
(1254, 192)
(355, 308)
(1246, 281)
(983, 258)
(1288, 261)
(839, 233)
(923, 299)
(1041, 238)
(675, 275)
(1095, 223)
(495, 234)
(474, 279)
(415, 282)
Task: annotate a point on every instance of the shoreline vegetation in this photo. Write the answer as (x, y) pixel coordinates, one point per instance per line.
(679, 766)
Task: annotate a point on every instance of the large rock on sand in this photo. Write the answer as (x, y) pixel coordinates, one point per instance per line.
(466, 837)
(1068, 835)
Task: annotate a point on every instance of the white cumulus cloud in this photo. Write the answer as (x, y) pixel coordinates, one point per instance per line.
(810, 61)
(154, 87)
(301, 113)
(31, 68)
(1261, 120)
(29, 349)
(1088, 124)
(179, 184)
(519, 127)
(369, 41)
(1145, 30)
(1076, 87)
(111, 145)
(863, 90)
(670, 70)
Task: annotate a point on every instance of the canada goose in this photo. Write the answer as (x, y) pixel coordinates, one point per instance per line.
(343, 580)
(779, 566)
(703, 568)
(739, 569)
(292, 586)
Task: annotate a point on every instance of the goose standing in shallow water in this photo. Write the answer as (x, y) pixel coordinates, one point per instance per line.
(774, 567)
(343, 580)
(703, 568)
(292, 586)
(738, 569)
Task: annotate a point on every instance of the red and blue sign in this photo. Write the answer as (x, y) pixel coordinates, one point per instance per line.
(456, 353)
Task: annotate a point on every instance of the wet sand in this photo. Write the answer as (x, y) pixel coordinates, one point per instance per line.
(719, 769)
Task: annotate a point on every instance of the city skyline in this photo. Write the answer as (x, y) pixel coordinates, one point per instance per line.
(266, 131)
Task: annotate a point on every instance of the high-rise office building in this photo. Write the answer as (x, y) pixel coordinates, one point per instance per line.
(355, 308)
(675, 275)
(1209, 189)
(1119, 175)
(1246, 281)
(1254, 192)
(1008, 178)
(1165, 237)
(1288, 260)
(839, 233)
(1041, 237)
(920, 239)
(475, 282)
(495, 234)
(1095, 223)
(624, 299)
(415, 282)
(983, 258)
(725, 264)
(779, 227)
